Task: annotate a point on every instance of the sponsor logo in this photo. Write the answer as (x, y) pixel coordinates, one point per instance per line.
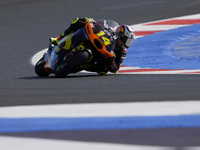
(55, 59)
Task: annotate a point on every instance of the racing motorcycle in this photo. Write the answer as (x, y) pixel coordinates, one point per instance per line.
(81, 50)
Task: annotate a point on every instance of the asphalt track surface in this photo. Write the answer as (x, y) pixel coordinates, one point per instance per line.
(25, 29)
(27, 25)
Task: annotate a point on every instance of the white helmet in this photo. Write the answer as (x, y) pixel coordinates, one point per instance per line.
(126, 35)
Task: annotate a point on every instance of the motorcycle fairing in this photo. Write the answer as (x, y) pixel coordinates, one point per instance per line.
(67, 45)
(97, 41)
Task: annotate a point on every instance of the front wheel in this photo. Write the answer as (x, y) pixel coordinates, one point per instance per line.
(39, 68)
(66, 68)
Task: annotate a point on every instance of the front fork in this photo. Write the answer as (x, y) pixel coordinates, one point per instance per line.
(47, 66)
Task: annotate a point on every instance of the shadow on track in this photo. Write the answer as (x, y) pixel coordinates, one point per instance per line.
(53, 77)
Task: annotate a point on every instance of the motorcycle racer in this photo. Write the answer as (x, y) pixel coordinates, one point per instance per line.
(123, 36)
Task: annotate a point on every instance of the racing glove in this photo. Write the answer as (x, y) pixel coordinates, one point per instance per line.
(114, 67)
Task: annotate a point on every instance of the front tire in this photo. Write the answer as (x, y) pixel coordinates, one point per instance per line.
(66, 68)
(39, 68)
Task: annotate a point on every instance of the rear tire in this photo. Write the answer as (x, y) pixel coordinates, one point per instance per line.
(66, 68)
(39, 68)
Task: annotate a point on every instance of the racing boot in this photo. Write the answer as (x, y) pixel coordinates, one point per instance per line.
(55, 41)
(102, 73)
(73, 27)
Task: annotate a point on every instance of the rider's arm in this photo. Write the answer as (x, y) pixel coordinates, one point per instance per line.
(120, 55)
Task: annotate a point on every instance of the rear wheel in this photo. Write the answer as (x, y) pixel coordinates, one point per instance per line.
(66, 68)
(39, 68)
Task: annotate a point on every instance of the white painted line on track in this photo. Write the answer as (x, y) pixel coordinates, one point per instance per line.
(155, 27)
(160, 72)
(13, 143)
(36, 57)
(169, 108)
(195, 16)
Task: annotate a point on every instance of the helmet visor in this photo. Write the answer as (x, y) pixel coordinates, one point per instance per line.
(127, 41)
